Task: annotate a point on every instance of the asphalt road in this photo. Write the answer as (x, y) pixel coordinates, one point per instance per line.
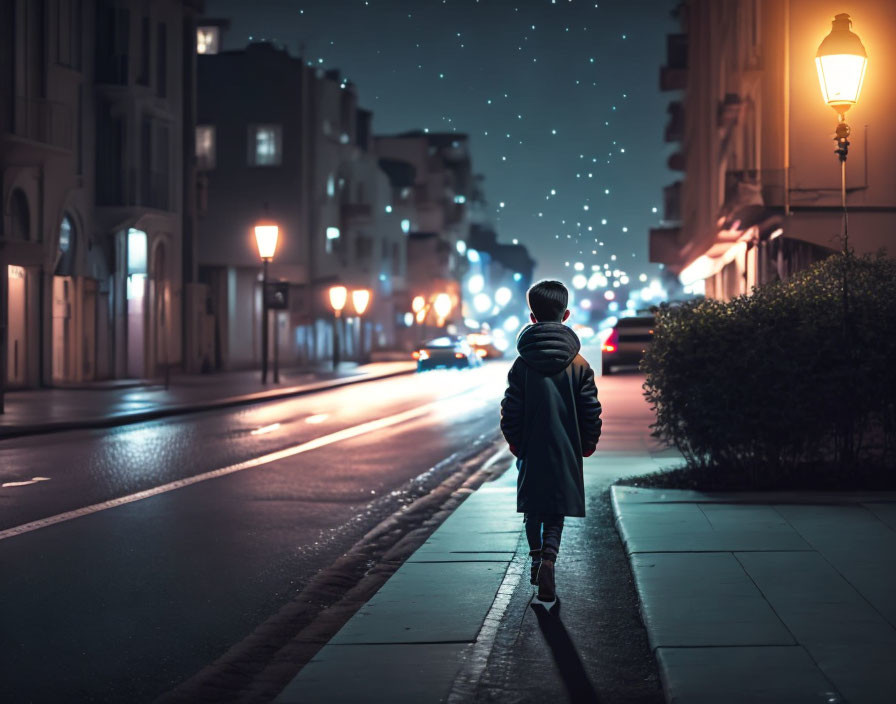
(170, 541)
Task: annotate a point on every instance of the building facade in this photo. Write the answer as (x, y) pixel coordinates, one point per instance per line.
(95, 169)
(294, 148)
(759, 197)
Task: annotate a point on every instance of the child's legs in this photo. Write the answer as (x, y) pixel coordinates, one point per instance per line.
(532, 522)
(553, 529)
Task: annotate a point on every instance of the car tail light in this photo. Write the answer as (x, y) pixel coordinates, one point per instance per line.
(415, 354)
(481, 352)
(459, 355)
(611, 342)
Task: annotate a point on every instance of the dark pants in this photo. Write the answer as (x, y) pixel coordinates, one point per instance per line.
(543, 531)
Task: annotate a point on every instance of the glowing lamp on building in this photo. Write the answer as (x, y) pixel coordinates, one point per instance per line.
(841, 61)
(442, 305)
(503, 296)
(418, 303)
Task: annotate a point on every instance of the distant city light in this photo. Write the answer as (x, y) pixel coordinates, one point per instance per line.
(332, 233)
(579, 266)
(388, 208)
(482, 302)
(512, 323)
(579, 281)
(472, 255)
(461, 247)
(405, 226)
(517, 276)
(476, 283)
(585, 304)
(460, 199)
(613, 307)
(503, 296)
(408, 319)
(609, 295)
(642, 277)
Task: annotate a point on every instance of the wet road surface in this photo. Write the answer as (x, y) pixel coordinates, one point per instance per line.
(130, 593)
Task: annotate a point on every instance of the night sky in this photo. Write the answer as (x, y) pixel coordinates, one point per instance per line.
(560, 99)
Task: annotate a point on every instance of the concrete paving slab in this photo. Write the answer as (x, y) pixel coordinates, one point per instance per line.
(703, 599)
(415, 674)
(857, 543)
(886, 512)
(471, 543)
(851, 642)
(676, 527)
(743, 675)
(426, 602)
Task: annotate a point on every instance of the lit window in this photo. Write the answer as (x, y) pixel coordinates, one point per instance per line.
(332, 236)
(65, 234)
(205, 146)
(207, 40)
(405, 226)
(265, 145)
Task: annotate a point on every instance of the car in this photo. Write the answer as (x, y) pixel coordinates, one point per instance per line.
(627, 343)
(450, 352)
(484, 345)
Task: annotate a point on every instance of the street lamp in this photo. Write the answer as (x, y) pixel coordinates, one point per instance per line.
(442, 306)
(841, 61)
(338, 297)
(266, 235)
(360, 301)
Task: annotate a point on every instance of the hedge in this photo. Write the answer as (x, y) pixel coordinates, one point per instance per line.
(794, 375)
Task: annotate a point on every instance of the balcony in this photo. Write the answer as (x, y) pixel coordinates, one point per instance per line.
(672, 202)
(674, 75)
(675, 127)
(44, 121)
(663, 245)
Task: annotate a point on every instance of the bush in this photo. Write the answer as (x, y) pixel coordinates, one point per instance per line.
(794, 375)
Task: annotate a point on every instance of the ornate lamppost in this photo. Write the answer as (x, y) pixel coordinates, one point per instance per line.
(266, 235)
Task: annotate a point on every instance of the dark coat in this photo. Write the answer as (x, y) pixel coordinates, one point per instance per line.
(550, 416)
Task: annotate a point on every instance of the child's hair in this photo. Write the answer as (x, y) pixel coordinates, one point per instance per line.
(547, 300)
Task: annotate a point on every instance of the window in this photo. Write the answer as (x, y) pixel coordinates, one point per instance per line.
(112, 38)
(207, 39)
(331, 186)
(143, 76)
(205, 146)
(265, 145)
(68, 33)
(162, 61)
(332, 238)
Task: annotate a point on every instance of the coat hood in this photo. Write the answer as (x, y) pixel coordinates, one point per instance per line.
(548, 347)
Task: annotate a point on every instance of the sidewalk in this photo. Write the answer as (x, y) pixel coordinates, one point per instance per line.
(774, 597)
(37, 411)
(409, 642)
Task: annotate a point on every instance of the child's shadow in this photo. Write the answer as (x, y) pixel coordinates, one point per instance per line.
(563, 649)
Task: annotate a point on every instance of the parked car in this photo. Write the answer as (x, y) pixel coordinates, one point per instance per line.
(449, 352)
(627, 343)
(484, 345)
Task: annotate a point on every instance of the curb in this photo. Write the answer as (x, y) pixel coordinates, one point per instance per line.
(7, 432)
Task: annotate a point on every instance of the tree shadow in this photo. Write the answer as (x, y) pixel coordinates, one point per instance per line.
(572, 672)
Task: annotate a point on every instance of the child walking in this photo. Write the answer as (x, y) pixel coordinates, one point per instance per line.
(550, 417)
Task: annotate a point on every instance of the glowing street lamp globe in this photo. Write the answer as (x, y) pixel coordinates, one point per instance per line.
(841, 61)
(266, 235)
(442, 305)
(338, 297)
(360, 300)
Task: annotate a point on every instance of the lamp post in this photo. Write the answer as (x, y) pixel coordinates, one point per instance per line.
(360, 301)
(266, 234)
(841, 61)
(338, 296)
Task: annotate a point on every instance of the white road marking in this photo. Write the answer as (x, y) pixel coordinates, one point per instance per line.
(317, 418)
(265, 429)
(323, 441)
(33, 480)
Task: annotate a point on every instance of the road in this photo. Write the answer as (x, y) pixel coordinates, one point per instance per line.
(133, 557)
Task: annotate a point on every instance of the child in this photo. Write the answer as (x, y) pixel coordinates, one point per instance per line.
(550, 417)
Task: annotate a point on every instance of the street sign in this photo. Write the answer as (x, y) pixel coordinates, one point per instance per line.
(277, 297)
